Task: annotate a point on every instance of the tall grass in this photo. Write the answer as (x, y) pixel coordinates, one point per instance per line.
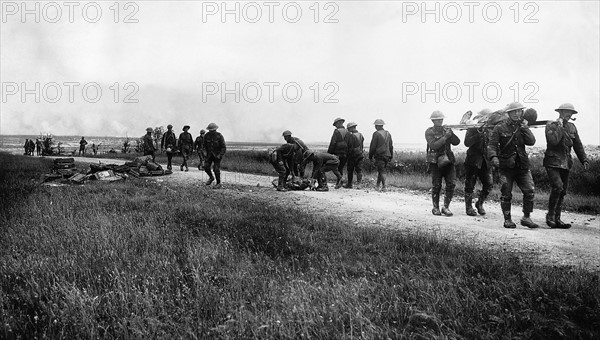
(138, 259)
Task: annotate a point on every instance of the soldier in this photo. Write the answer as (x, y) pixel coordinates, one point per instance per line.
(38, 147)
(297, 166)
(561, 136)
(339, 146)
(355, 155)
(282, 160)
(214, 144)
(186, 145)
(477, 165)
(441, 162)
(82, 144)
(26, 146)
(322, 163)
(506, 151)
(382, 149)
(169, 141)
(94, 148)
(148, 144)
(199, 147)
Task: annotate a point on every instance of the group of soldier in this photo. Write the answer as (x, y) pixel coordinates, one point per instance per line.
(30, 146)
(345, 151)
(210, 147)
(503, 147)
(500, 146)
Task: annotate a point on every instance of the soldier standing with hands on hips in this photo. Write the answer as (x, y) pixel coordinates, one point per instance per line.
(561, 136)
(506, 151)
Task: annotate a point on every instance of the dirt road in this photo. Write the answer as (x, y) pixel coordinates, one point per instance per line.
(410, 211)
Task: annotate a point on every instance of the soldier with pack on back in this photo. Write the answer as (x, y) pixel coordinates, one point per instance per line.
(339, 145)
(441, 162)
(355, 155)
(381, 149)
(561, 136)
(169, 143)
(477, 166)
(506, 151)
(215, 147)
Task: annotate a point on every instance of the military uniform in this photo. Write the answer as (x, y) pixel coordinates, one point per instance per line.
(561, 137)
(477, 166)
(214, 146)
(169, 141)
(298, 167)
(339, 145)
(439, 146)
(381, 149)
(507, 143)
(186, 145)
(148, 145)
(322, 163)
(199, 147)
(282, 160)
(355, 158)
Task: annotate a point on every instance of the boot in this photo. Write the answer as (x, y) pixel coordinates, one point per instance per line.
(479, 203)
(527, 222)
(551, 215)
(508, 223)
(218, 176)
(560, 224)
(280, 186)
(435, 198)
(210, 177)
(338, 184)
(181, 168)
(186, 168)
(447, 199)
(469, 205)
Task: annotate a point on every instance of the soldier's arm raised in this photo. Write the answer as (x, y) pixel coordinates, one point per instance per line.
(554, 133)
(472, 137)
(433, 142)
(528, 137)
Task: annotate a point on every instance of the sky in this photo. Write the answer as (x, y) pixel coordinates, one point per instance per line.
(102, 68)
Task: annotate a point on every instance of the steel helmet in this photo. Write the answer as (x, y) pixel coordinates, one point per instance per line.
(437, 115)
(566, 106)
(149, 129)
(338, 119)
(351, 124)
(379, 122)
(212, 127)
(186, 127)
(514, 106)
(530, 115)
(286, 133)
(202, 131)
(169, 126)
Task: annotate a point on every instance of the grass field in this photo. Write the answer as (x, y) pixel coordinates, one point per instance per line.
(137, 259)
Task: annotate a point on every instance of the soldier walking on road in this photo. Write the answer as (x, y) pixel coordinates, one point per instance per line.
(477, 166)
(169, 142)
(441, 162)
(148, 144)
(355, 155)
(339, 145)
(297, 166)
(322, 163)
(381, 149)
(214, 144)
(186, 145)
(561, 136)
(506, 151)
(199, 147)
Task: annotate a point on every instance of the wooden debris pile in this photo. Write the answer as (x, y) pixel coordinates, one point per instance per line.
(64, 171)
